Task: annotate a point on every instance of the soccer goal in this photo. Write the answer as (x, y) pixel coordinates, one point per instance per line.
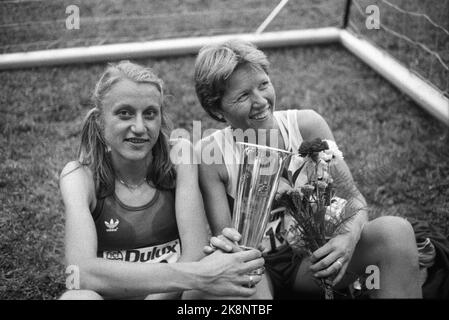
(404, 41)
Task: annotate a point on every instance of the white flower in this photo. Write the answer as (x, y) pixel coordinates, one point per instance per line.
(335, 210)
(325, 156)
(333, 151)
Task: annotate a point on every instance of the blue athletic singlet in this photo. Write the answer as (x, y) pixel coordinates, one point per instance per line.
(138, 234)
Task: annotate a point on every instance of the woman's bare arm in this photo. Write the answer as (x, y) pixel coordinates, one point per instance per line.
(219, 274)
(212, 179)
(190, 215)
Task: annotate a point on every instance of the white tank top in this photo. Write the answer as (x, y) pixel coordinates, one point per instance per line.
(288, 123)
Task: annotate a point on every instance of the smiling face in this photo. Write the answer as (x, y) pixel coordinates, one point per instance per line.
(249, 99)
(132, 119)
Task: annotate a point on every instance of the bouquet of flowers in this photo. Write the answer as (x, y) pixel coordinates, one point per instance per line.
(310, 199)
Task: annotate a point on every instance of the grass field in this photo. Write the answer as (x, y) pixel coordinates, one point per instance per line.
(396, 151)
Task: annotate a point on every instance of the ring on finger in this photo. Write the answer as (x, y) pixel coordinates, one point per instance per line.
(258, 272)
(250, 282)
(340, 264)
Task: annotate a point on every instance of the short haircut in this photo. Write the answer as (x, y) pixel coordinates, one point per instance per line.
(215, 64)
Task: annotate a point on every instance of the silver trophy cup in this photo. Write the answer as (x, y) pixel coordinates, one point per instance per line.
(260, 168)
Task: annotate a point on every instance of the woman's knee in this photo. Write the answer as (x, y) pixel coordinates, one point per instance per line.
(391, 229)
(80, 295)
(392, 235)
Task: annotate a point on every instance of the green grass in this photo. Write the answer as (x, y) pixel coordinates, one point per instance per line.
(397, 152)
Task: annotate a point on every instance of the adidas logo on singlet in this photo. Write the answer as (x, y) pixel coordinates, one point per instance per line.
(112, 225)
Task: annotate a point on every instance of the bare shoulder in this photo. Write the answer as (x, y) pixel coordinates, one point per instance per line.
(181, 142)
(75, 169)
(208, 141)
(211, 161)
(181, 152)
(76, 178)
(312, 125)
(208, 151)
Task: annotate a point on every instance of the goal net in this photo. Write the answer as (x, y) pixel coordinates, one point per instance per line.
(414, 32)
(28, 25)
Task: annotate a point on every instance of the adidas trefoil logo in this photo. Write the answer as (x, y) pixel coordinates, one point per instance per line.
(112, 225)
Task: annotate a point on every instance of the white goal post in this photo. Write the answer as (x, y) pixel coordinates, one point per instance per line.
(162, 48)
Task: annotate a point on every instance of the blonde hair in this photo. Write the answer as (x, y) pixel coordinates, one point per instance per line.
(93, 151)
(215, 64)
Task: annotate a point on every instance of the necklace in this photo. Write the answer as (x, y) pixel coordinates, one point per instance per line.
(132, 186)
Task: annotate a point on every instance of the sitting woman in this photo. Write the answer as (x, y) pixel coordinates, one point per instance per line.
(135, 223)
(233, 86)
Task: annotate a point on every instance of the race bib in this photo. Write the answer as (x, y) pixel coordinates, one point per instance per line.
(273, 238)
(166, 253)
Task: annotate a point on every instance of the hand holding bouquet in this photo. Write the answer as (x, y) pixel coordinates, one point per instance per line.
(310, 200)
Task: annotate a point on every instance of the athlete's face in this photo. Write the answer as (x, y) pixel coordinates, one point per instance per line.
(249, 99)
(132, 119)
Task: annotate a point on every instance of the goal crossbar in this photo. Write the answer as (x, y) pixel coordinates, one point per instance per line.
(424, 94)
(162, 48)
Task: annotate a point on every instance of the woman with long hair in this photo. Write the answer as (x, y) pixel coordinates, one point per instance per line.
(135, 222)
